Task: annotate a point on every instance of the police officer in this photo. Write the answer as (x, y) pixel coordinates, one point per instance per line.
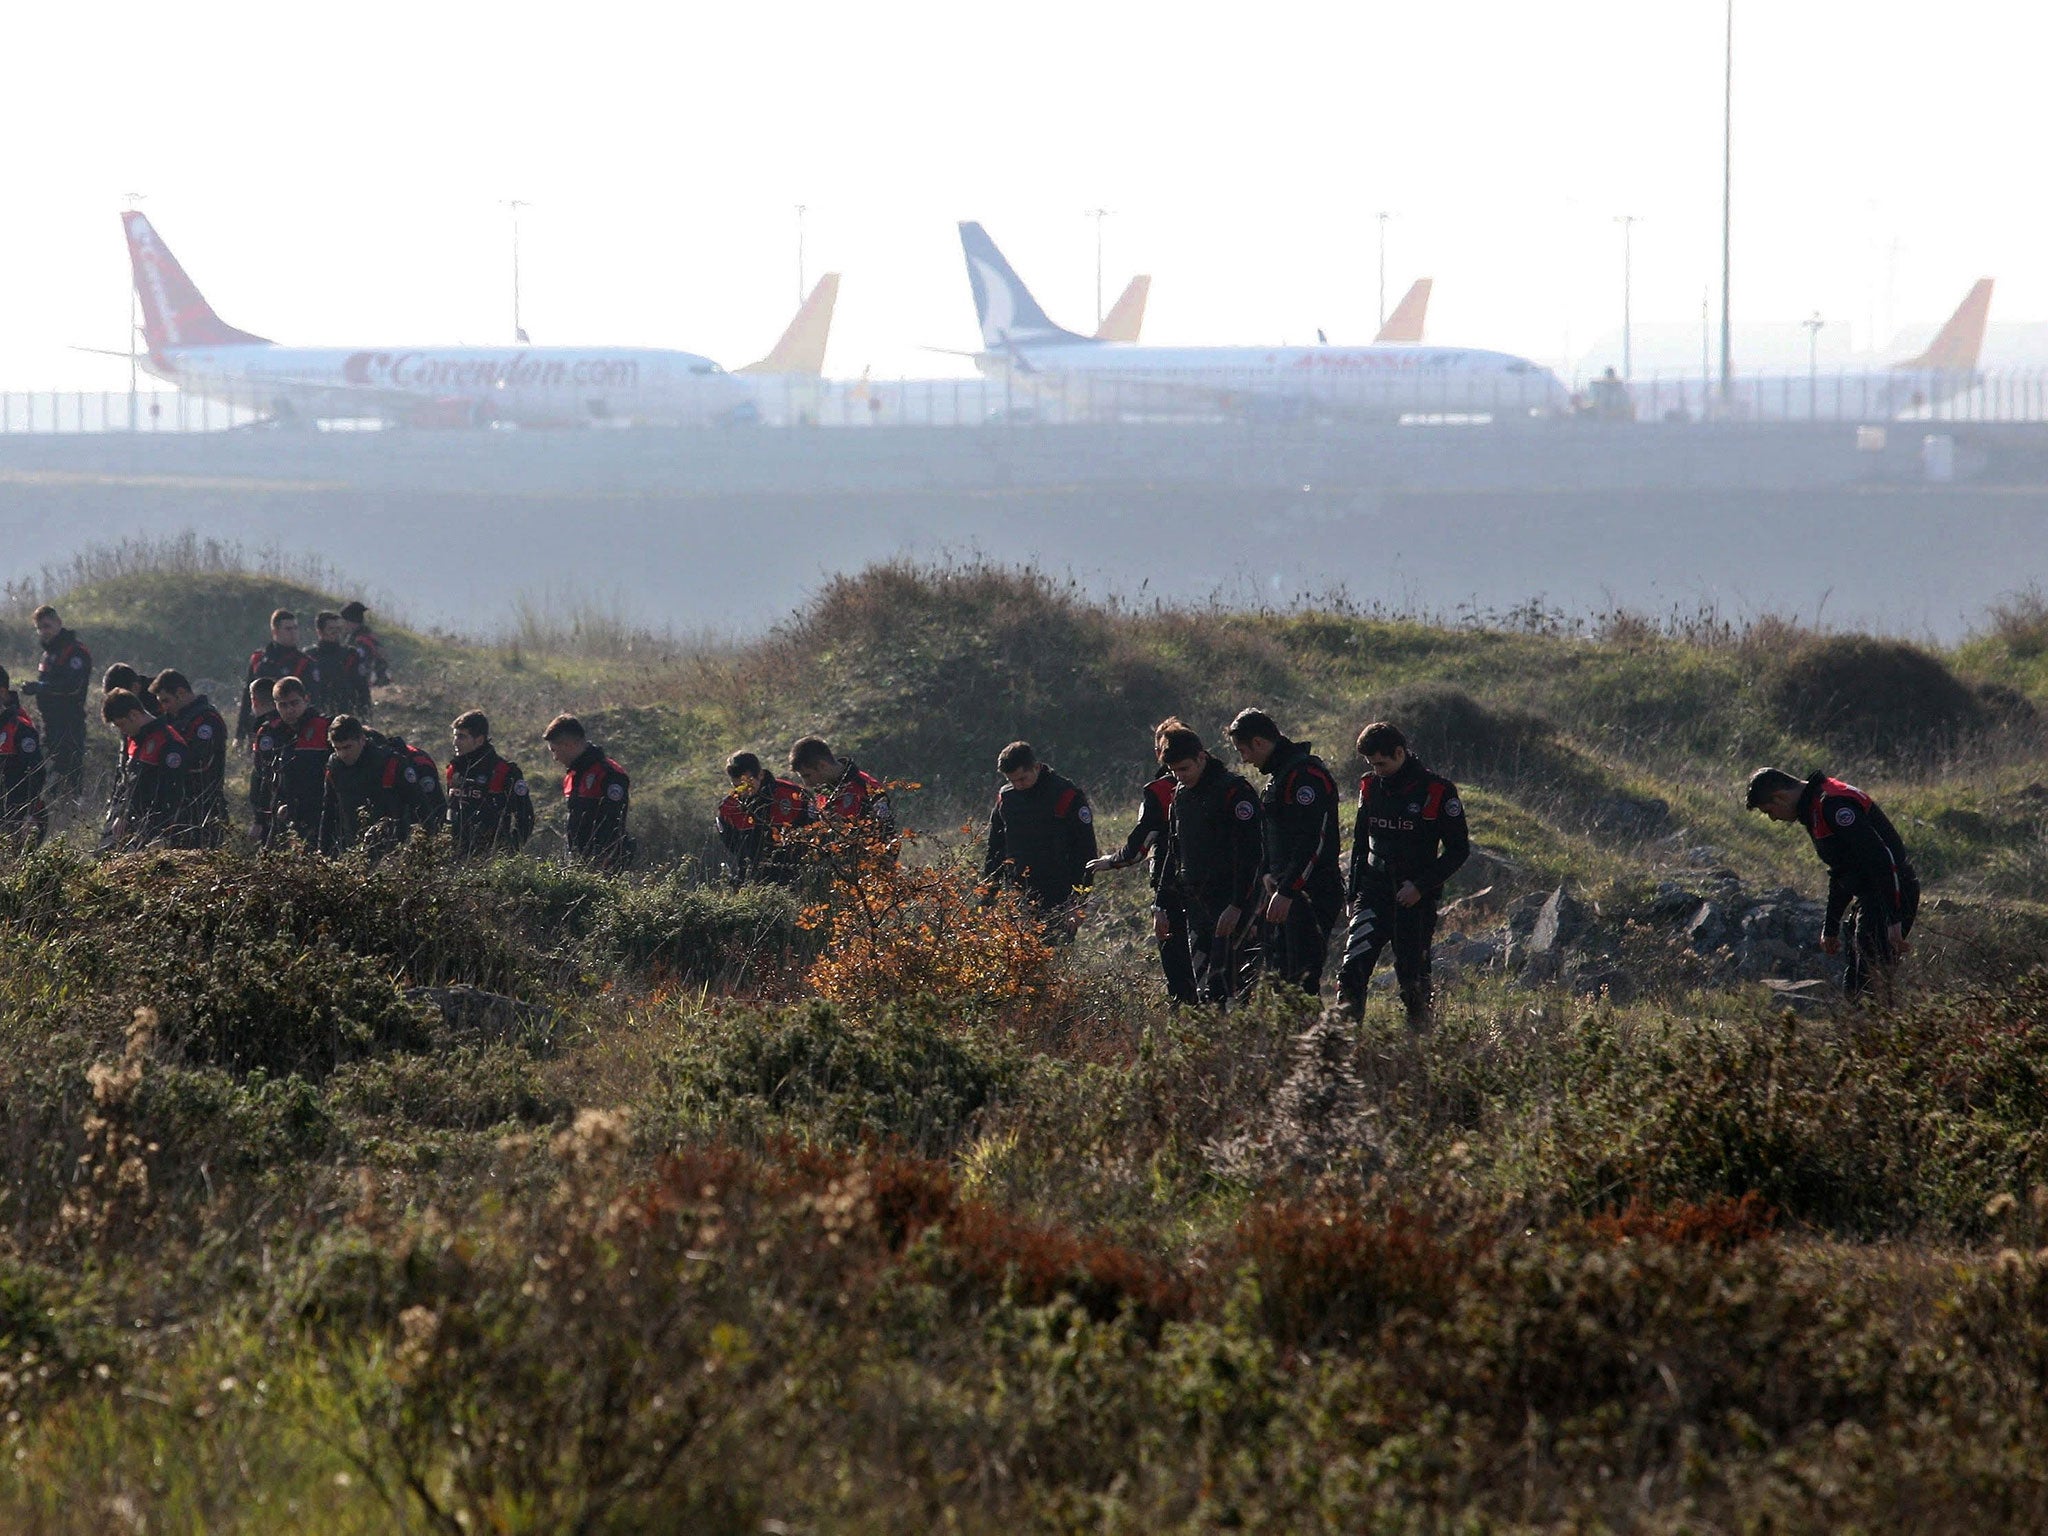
(1872, 889)
(490, 810)
(597, 794)
(844, 792)
(119, 677)
(300, 758)
(63, 679)
(1304, 891)
(430, 808)
(340, 683)
(371, 792)
(263, 748)
(1410, 837)
(149, 806)
(1148, 840)
(375, 667)
(23, 820)
(193, 717)
(1215, 854)
(279, 659)
(1041, 838)
(754, 819)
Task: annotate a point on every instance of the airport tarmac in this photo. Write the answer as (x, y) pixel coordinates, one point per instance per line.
(730, 532)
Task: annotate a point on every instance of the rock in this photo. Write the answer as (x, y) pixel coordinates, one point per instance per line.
(1708, 928)
(1560, 920)
(1812, 993)
(1456, 951)
(472, 1016)
(1485, 867)
(1523, 912)
(1592, 980)
(1672, 903)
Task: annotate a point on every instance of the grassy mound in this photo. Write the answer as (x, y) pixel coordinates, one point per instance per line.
(1013, 654)
(1883, 698)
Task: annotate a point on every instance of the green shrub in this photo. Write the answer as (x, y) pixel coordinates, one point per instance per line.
(906, 1078)
(699, 935)
(280, 1007)
(466, 1089)
(229, 1122)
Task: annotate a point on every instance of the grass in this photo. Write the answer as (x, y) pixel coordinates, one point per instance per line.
(670, 1241)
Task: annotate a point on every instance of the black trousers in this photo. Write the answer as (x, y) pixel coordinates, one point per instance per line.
(1176, 962)
(1214, 965)
(1298, 949)
(1866, 943)
(64, 745)
(1377, 920)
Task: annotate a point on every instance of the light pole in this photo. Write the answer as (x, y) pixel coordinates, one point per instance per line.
(1628, 222)
(1812, 326)
(134, 323)
(801, 210)
(1383, 216)
(1727, 183)
(513, 205)
(1098, 215)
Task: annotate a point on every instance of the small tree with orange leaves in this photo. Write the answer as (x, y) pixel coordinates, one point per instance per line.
(895, 930)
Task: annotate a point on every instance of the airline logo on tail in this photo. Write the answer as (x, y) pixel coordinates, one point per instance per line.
(174, 313)
(1956, 348)
(1008, 314)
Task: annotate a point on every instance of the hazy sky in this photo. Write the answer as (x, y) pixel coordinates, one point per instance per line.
(332, 174)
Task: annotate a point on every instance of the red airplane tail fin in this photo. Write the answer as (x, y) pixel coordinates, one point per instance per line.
(174, 313)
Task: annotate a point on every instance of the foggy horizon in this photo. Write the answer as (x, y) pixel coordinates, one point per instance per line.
(332, 180)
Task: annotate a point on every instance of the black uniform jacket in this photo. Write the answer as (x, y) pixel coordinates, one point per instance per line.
(1042, 838)
(1865, 856)
(489, 808)
(1300, 826)
(1213, 841)
(1410, 826)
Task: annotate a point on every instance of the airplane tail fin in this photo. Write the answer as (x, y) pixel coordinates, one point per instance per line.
(1126, 316)
(1008, 314)
(1405, 323)
(174, 314)
(802, 347)
(1956, 348)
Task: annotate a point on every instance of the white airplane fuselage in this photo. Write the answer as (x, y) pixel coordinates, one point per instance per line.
(526, 386)
(1382, 380)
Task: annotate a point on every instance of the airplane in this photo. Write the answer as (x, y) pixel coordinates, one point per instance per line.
(1914, 387)
(192, 347)
(1021, 344)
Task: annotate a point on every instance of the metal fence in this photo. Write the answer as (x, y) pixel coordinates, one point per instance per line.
(146, 410)
(1021, 401)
